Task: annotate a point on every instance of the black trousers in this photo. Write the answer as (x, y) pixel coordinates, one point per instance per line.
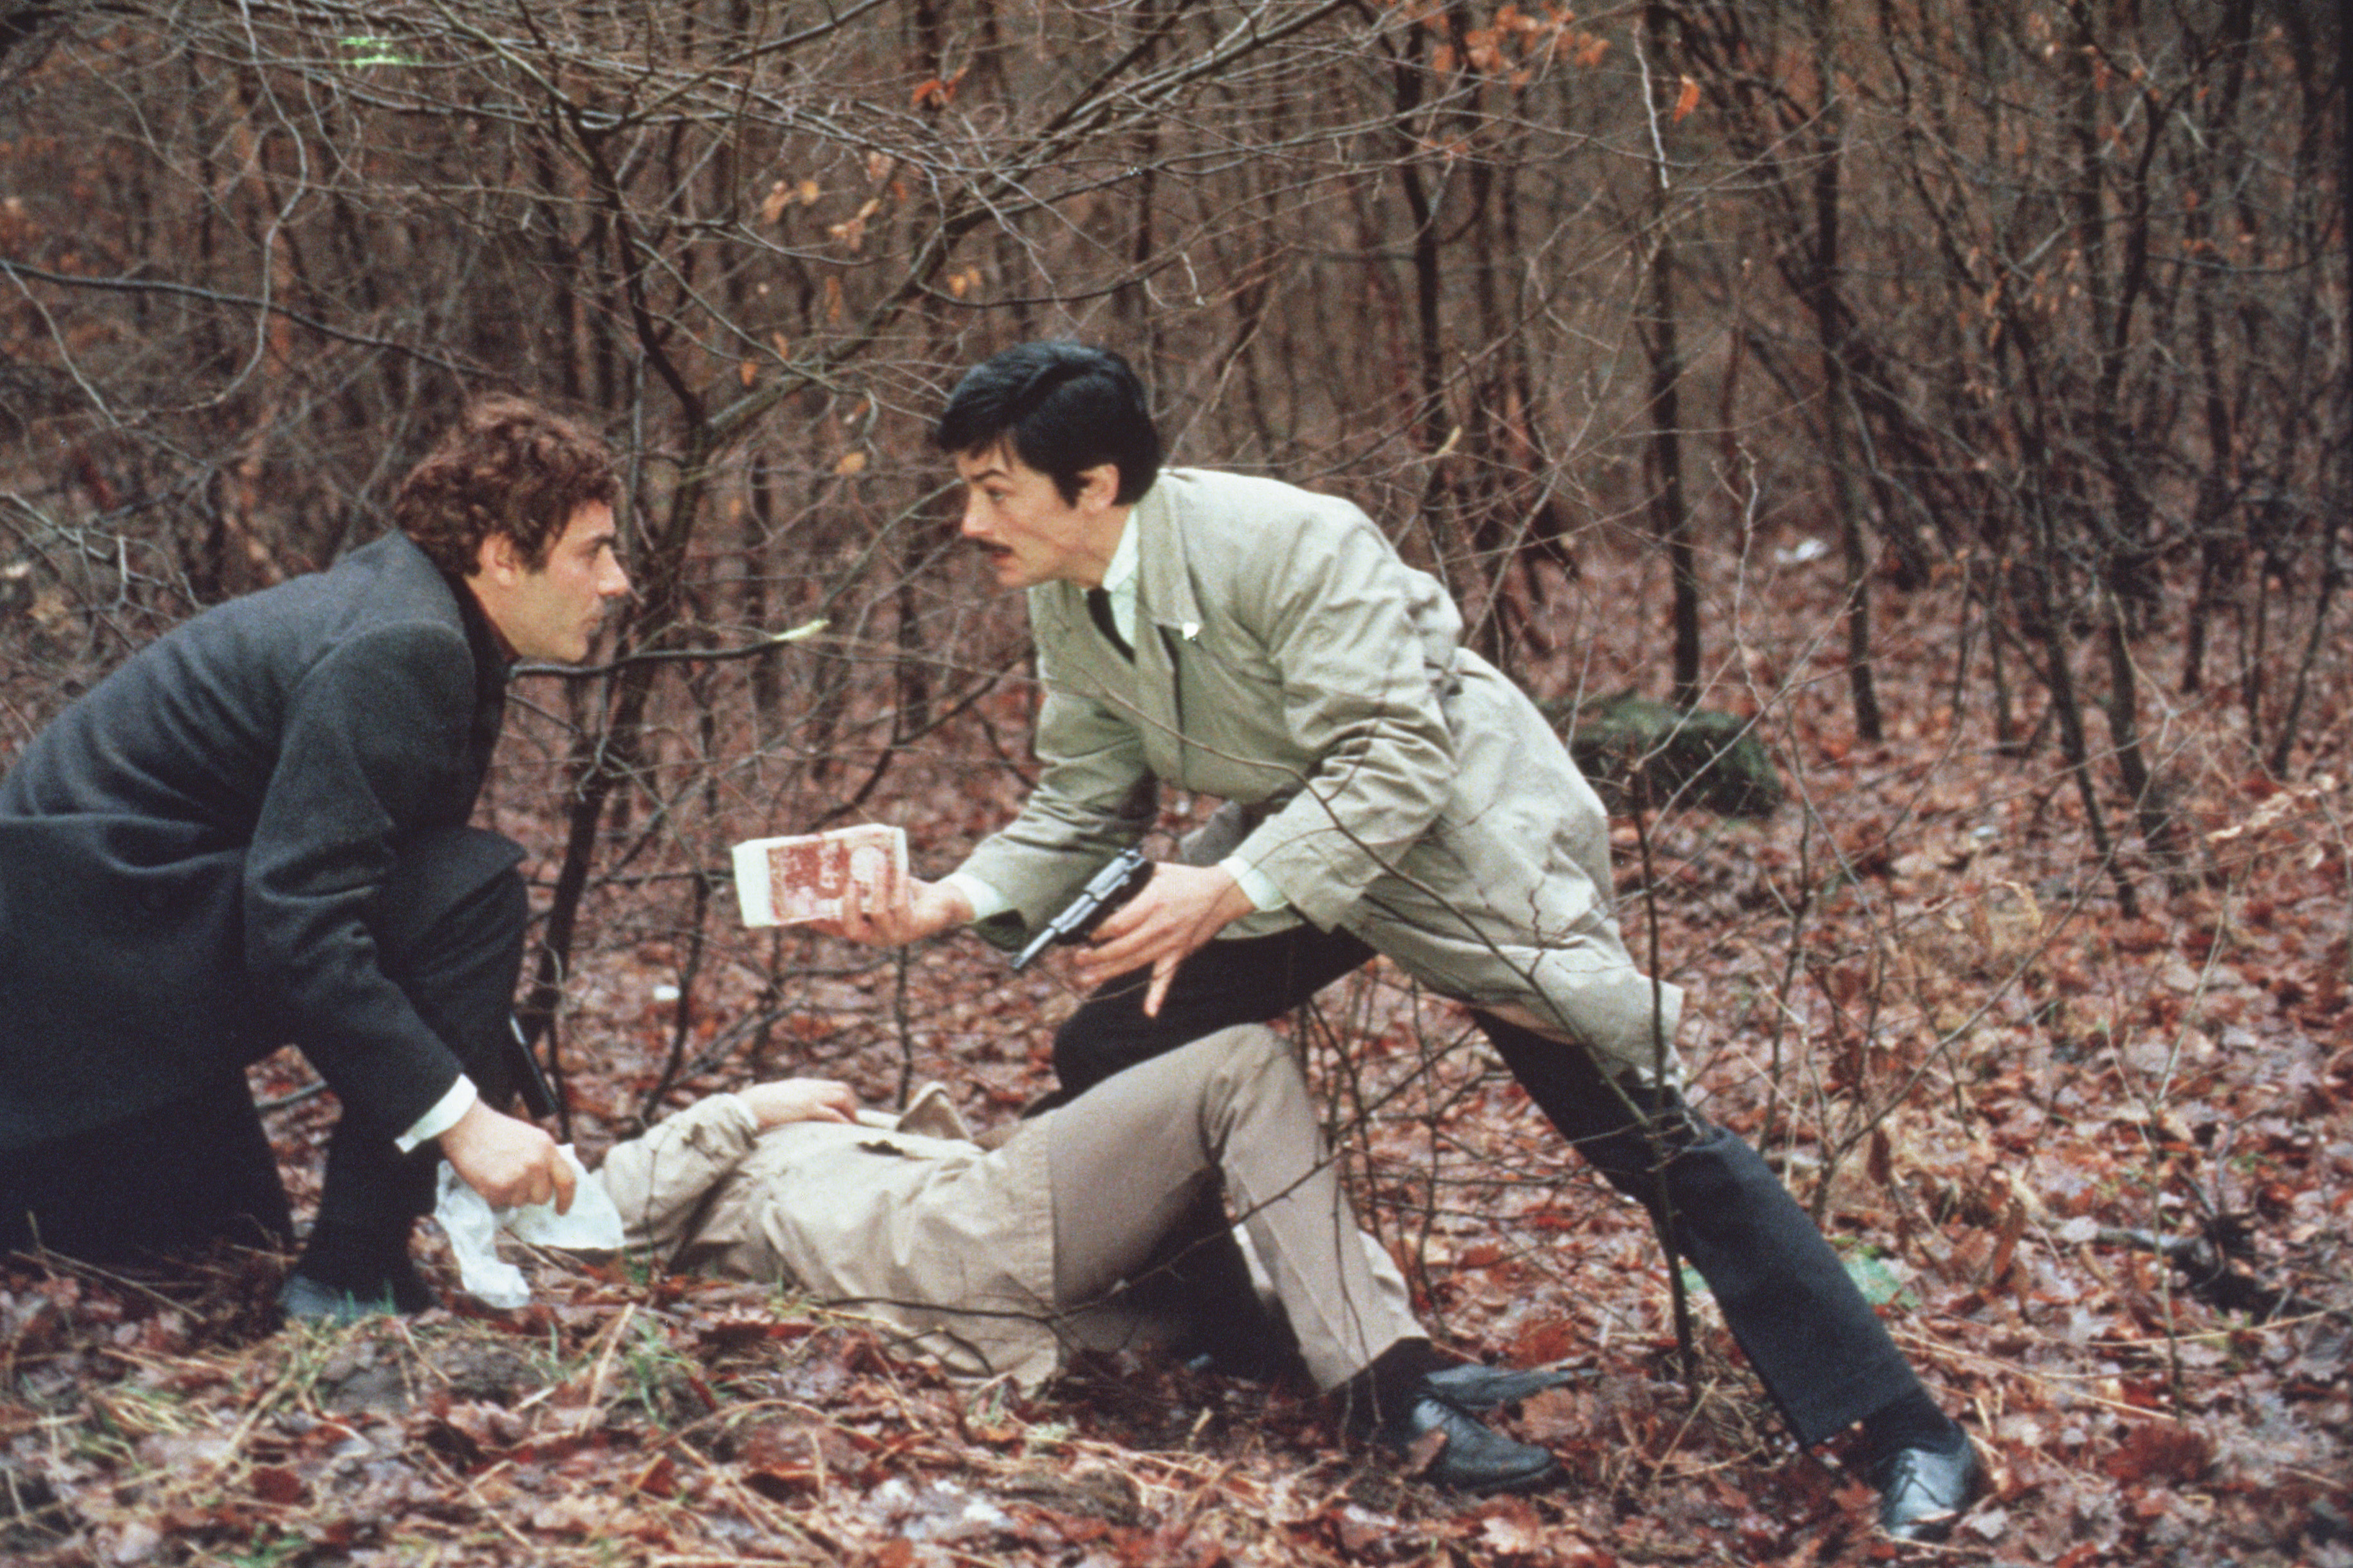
(449, 929)
(1823, 1355)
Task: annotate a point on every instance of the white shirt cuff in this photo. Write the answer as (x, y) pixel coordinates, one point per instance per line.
(1251, 880)
(444, 1115)
(986, 900)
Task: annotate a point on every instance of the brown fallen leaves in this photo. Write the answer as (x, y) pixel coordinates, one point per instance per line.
(2049, 1139)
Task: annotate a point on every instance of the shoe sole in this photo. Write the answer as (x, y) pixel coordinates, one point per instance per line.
(1536, 1482)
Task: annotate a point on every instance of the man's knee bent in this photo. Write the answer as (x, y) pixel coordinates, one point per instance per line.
(1251, 1067)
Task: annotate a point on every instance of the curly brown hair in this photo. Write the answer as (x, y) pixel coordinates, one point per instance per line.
(508, 465)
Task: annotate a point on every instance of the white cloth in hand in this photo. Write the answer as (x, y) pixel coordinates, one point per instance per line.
(466, 1217)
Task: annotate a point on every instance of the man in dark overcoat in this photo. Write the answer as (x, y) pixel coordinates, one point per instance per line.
(255, 831)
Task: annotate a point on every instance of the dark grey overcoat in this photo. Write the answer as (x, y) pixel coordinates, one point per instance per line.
(189, 854)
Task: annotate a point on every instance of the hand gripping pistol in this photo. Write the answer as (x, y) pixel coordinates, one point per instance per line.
(1120, 880)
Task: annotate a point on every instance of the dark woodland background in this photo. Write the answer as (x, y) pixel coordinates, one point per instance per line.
(1957, 394)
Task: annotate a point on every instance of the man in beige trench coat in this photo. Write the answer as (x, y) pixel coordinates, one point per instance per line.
(1388, 792)
(989, 1259)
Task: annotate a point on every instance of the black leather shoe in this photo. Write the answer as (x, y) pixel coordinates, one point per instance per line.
(1922, 1492)
(403, 1294)
(1475, 1459)
(1475, 1388)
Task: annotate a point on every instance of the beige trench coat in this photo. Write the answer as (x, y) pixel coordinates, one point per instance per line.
(881, 1221)
(1394, 783)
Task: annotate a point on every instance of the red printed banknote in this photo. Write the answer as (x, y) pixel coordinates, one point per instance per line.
(787, 881)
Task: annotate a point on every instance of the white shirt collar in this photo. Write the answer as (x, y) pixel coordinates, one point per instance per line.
(1119, 580)
(1119, 577)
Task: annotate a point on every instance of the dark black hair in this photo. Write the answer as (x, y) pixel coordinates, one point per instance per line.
(1066, 408)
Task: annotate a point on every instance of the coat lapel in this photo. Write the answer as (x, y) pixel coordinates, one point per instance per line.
(1167, 620)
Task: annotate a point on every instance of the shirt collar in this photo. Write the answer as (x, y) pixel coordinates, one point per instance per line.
(1119, 577)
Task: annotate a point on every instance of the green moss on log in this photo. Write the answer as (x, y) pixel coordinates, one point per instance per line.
(1637, 752)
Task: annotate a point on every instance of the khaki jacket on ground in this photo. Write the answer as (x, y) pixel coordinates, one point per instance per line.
(1394, 783)
(885, 1222)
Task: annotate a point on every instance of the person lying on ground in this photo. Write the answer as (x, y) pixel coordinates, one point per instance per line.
(989, 1259)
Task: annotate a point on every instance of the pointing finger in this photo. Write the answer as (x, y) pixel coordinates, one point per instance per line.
(1163, 971)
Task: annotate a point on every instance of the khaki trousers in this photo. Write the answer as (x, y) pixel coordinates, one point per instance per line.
(1131, 1156)
(1821, 1351)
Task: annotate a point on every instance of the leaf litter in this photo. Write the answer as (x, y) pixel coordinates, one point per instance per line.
(2098, 1172)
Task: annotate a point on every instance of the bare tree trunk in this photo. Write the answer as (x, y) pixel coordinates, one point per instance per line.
(1670, 510)
(1430, 350)
(759, 560)
(1825, 297)
(2152, 812)
(2059, 676)
(2220, 555)
(2332, 577)
(1986, 588)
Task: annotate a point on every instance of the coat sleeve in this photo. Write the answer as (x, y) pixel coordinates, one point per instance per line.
(370, 737)
(1095, 797)
(1361, 648)
(660, 1182)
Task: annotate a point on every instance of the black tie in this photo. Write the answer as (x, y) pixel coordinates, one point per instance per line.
(1098, 606)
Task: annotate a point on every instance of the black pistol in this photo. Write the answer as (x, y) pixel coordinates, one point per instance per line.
(1120, 880)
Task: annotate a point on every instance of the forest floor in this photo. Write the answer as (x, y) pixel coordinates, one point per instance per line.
(2098, 1167)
